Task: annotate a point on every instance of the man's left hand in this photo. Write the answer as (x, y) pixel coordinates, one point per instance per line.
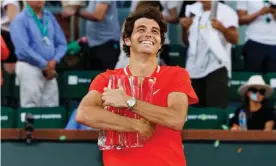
(218, 25)
(115, 98)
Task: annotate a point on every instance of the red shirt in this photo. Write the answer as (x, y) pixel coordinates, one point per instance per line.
(164, 148)
(4, 50)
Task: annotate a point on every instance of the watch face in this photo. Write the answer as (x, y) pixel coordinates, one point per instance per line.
(131, 102)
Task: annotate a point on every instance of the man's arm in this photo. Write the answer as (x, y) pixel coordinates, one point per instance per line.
(185, 24)
(173, 17)
(172, 116)
(91, 113)
(231, 34)
(60, 41)
(20, 41)
(97, 15)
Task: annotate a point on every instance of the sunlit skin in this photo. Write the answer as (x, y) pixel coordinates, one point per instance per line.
(145, 39)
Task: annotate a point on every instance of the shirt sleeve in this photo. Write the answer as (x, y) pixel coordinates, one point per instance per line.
(60, 41)
(269, 114)
(99, 83)
(241, 5)
(230, 17)
(182, 83)
(4, 50)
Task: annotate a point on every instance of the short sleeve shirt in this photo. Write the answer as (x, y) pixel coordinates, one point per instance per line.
(164, 140)
(259, 30)
(100, 32)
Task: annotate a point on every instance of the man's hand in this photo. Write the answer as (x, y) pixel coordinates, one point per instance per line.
(52, 64)
(49, 73)
(115, 98)
(186, 22)
(264, 10)
(235, 127)
(145, 129)
(218, 25)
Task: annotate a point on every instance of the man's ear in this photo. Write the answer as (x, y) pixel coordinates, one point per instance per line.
(127, 41)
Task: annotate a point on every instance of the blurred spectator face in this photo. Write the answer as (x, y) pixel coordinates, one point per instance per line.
(145, 37)
(206, 4)
(36, 4)
(256, 94)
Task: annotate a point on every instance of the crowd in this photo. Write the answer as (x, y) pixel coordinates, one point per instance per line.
(33, 43)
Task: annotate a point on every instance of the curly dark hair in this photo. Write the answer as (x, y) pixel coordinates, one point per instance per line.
(150, 13)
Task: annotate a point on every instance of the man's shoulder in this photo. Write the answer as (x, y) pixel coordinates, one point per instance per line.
(172, 70)
(19, 17)
(226, 9)
(109, 72)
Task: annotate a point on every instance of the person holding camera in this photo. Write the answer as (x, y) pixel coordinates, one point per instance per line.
(259, 50)
(39, 45)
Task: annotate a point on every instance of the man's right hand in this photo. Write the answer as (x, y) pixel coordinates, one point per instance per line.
(264, 10)
(145, 128)
(186, 22)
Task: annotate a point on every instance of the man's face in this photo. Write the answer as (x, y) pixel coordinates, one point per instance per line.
(37, 4)
(145, 38)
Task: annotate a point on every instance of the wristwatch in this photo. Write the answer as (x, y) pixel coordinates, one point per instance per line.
(131, 103)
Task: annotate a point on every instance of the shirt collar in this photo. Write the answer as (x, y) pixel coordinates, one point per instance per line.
(44, 12)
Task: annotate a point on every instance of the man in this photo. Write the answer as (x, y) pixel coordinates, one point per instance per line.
(143, 35)
(260, 48)
(102, 31)
(210, 38)
(39, 45)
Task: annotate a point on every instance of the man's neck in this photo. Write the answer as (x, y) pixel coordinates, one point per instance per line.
(37, 11)
(142, 65)
(254, 106)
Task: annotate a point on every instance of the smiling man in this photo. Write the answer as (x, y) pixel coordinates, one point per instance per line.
(163, 119)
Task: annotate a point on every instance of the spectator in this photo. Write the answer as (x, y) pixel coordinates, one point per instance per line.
(260, 49)
(258, 111)
(74, 125)
(39, 45)
(210, 39)
(103, 32)
(9, 9)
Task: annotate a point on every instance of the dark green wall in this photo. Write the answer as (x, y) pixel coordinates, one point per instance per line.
(87, 154)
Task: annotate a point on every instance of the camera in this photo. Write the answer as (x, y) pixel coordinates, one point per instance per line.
(29, 122)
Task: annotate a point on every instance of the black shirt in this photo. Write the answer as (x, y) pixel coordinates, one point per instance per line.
(255, 120)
